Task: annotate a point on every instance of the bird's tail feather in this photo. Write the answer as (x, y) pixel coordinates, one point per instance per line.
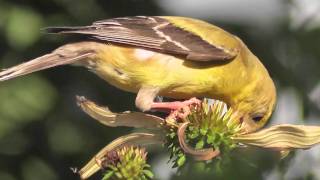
(64, 55)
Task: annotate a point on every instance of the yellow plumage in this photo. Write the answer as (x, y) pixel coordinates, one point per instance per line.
(130, 64)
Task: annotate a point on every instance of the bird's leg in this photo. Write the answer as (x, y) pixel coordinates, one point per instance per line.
(176, 105)
(177, 109)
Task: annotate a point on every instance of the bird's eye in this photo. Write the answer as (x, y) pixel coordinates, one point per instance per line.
(257, 118)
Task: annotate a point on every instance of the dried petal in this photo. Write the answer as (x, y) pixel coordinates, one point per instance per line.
(283, 137)
(128, 119)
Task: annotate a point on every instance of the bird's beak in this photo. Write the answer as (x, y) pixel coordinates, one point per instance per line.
(246, 124)
(247, 127)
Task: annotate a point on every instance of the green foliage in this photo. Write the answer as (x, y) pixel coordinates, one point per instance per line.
(37, 169)
(24, 100)
(23, 27)
(177, 156)
(65, 138)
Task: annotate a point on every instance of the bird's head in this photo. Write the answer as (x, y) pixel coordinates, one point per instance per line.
(256, 105)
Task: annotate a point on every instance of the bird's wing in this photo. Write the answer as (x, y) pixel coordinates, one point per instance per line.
(154, 33)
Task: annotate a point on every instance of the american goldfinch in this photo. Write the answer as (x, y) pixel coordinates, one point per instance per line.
(174, 57)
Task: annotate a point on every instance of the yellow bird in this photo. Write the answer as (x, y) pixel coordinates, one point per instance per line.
(175, 57)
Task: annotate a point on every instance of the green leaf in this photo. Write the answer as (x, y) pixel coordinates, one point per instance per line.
(174, 149)
(200, 144)
(203, 131)
(119, 175)
(107, 175)
(193, 134)
(170, 145)
(171, 155)
(218, 138)
(172, 135)
(210, 138)
(181, 160)
(148, 173)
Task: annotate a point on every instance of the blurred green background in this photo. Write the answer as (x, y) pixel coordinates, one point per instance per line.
(43, 133)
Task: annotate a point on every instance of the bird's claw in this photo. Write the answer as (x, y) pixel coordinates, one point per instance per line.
(178, 110)
(182, 112)
(192, 101)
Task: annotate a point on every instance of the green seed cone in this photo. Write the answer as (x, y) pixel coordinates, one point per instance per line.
(127, 163)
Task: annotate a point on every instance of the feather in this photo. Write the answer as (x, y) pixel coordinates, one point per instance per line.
(154, 33)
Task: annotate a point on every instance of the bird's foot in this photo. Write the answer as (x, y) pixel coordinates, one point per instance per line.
(177, 109)
(180, 114)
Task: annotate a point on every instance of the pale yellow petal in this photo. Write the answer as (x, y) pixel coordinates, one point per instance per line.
(283, 137)
(128, 119)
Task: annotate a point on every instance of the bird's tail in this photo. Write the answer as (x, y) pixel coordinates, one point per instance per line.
(66, 54)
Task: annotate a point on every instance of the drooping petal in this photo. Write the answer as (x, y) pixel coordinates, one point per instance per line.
(128, 119)
(283, 137)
